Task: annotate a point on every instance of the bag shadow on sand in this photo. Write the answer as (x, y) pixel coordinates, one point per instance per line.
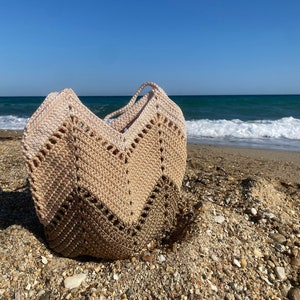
(17, 208)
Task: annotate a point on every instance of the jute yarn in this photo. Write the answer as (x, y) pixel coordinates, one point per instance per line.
(105, 188)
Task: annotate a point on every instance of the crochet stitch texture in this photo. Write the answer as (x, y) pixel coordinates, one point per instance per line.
(105, 189)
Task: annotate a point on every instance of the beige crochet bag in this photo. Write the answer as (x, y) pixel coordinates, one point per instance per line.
(105, 189)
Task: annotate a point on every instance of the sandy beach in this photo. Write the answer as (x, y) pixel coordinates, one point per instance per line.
(238, 236)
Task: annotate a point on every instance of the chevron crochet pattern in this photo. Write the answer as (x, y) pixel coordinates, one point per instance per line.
(105, 188)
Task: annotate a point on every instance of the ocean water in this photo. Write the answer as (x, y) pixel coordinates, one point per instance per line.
(257, 121)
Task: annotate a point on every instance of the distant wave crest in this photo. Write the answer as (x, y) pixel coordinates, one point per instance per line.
(285, 128)
(12, 122)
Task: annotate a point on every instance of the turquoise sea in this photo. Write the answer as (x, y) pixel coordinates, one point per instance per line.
(253, 121)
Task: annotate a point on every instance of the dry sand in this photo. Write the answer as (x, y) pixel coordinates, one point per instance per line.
(238, 236)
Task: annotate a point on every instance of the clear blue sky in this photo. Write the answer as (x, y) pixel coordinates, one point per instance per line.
(187, 46)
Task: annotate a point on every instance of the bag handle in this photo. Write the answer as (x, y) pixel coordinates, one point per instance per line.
(132, 100)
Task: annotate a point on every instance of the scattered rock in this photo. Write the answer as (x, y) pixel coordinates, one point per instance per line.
(294, 252)
(295, 261)
(294, 293)
(257, 253)
(45, 295)
(243, 262)
(236, 263)
(213, 286)
(269, 215)
(280, 273)
(214, 257)
(229, 296)
(75, 281)
(152, 245)
(116, 277)
(253, 211)
(278, 238)
(147, 257)
(44, 260)
(219, 219)
(161, 258)
(129, 292)
(133, 259)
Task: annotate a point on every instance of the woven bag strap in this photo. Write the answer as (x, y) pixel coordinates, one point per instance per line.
(132, 100)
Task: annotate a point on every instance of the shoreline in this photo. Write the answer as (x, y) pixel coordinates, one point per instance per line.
(17, 133)
(10, 134)
(291, 156)
(277, 164)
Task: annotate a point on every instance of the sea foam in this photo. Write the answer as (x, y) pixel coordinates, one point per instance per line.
(283, 133)
(12, 122)
(287, 128)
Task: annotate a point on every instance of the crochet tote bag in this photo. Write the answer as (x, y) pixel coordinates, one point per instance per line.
(105, 188)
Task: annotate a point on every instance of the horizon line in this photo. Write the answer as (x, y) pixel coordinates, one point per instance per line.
(169, 95)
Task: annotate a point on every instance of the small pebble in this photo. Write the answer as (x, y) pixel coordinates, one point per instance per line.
(229, 296)
(295, 261)
(169, 269)
(263, 270)
(213, 287)
(278, 238)
(238, 297)
(279, 247)
(295, 252)
(280, 273)
(97, 268)
(214, 257)
(269, 215)
(257, 253)
(44, 295)
(116, 277)
(74, 281)
(271, 264)
(147, 257)
(219, 219)
(294, 293)
(151, 245)
(162, 258)
(253, 211)
(44, 260)
(243, 262)
(236, 263)
(129, 292)
(272, 277)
